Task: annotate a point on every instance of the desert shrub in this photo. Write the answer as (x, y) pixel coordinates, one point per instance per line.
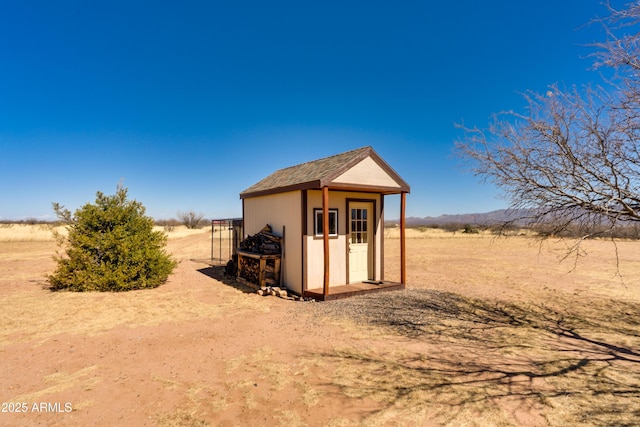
(452, 227)
(171, 222)
(191, 219)
(111, 246)
(167, 224)
(468, 229)
(582, 231)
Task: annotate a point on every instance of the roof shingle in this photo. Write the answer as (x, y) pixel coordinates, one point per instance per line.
(309, 175)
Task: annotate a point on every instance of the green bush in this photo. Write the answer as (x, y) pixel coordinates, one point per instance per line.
(111, 246)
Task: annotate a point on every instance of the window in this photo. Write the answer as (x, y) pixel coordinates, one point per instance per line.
(359, 231)
(333, 222)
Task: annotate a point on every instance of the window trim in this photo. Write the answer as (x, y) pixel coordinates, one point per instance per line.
(317, 225)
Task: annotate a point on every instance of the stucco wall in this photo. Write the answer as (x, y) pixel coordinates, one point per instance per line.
(314, 246)
(280, 210)
(367, 172)
(285, 209)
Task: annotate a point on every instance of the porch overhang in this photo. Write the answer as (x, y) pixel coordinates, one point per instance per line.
(327, 289)
(319, 185)
(357, 170)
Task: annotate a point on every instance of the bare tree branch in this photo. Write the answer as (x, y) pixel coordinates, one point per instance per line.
(573, 157)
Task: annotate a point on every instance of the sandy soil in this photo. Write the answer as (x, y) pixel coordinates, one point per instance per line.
(490, 332)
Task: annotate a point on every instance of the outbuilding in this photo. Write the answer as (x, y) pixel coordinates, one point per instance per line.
(330, 215)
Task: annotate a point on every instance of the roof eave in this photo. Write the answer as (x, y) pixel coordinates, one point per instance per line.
(310, 185)
(317, 185)
(327, 180)
(368, 188)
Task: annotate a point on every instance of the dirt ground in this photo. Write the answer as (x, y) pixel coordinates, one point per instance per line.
(490, 331)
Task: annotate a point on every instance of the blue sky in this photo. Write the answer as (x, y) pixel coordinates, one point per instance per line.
(189, 103)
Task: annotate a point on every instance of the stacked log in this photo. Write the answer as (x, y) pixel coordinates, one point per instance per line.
(264, 242)
(271, 274)
(275, 291)
(251, 270)
(267, 247)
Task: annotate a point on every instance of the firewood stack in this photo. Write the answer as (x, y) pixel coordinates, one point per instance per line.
(259, 259)
(264, 242)
(269, 290)
(251, 272)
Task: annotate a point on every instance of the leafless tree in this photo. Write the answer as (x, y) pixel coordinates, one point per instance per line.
(191, 219)
(573, 158)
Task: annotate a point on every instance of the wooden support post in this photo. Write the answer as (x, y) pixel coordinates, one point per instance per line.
(281, 260)
(262, 273)
(403, 248)
(325, 237)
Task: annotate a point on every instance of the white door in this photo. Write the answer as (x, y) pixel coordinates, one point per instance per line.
(360, 241)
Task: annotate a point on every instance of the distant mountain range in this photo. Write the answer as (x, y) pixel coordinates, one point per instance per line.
(488, 218)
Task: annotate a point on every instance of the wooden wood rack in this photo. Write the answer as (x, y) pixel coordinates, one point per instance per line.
(268, 275)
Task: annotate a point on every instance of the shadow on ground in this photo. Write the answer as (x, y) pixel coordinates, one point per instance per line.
(218, 273)
(577, 363)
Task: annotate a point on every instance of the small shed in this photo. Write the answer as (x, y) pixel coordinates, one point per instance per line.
(330, 215)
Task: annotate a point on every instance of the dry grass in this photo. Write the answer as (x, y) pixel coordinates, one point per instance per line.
(34, 315)
(61, 381)
(91, 314)
(497, 332)
(463, 356)
(491, 332)
(29, 232)
(45, 232)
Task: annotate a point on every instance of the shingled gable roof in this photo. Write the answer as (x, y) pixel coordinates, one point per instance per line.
(320, 173)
